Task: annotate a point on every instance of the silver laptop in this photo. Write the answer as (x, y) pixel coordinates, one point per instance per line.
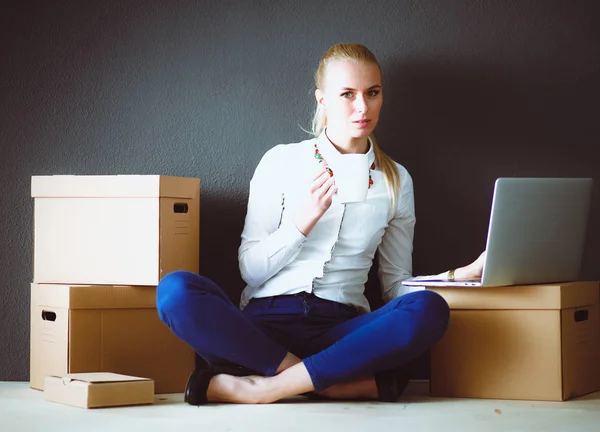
(536, 233)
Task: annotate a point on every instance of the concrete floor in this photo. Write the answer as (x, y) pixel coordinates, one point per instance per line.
(23, 409)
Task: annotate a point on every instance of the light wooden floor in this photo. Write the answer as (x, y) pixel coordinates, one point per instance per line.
(23, 409)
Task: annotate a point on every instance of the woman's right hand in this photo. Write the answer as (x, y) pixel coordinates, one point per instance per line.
(473, 270)
(321, 193)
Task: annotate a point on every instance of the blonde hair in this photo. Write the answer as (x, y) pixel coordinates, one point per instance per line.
(359, 54)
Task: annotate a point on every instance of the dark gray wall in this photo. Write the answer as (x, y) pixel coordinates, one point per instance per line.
(474, 90)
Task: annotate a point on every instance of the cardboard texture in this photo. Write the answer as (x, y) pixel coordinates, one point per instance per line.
(96, 390)
(77, 329)
(114, 230)
(534, 342)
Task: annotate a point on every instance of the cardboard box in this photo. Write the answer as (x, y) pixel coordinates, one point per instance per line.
(77, 329)
(534, 342)
(114, 230)
(95, 390)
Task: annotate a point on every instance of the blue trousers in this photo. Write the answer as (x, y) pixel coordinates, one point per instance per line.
(335, 343)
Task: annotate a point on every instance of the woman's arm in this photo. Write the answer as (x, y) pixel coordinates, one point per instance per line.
(270, 242)
(395, 251)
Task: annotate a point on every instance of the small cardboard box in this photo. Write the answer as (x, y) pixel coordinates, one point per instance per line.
(76, 329)
(95, 390)
(114, 230)
(533, 342)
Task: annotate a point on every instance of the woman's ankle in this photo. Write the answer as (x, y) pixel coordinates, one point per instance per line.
(288, 361)
(293, 381)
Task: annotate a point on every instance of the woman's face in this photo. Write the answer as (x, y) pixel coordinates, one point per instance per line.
(352, 98)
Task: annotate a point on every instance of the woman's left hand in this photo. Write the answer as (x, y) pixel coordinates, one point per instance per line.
(471, 271)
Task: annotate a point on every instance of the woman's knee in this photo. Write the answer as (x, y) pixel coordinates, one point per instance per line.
(435, 303)
(171, 291)
(174, 290)
(431, 312)
(436, 312)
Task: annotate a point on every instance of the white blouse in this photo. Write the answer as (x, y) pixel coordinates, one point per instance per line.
(333, 261)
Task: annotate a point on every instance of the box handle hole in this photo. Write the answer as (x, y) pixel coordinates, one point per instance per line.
(48, 316)
(581, 315)
(180, 207)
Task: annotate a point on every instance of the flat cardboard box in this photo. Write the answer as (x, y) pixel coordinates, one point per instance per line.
(96, 390)
(114, 230)
(532, 342)
(76, 329)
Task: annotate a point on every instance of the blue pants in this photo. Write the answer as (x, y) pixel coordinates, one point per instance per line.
(334, 341)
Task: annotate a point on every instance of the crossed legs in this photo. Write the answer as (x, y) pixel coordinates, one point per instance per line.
(347, 354)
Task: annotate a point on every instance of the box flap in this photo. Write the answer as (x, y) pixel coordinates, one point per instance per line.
(99, 377)
(576, 294)
(548, 296)
(94, 296)
(113, 186)
(179, 187)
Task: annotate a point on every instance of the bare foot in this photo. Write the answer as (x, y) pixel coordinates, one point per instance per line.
(364, 388)
(257, 389)
(232, 389)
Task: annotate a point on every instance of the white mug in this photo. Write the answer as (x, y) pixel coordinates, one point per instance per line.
(351, 176)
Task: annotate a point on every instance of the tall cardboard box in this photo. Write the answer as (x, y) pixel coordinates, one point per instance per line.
(77, 329)
(114, 230)
(533, 342)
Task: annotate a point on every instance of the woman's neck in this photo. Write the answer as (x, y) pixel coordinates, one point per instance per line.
(347, 144)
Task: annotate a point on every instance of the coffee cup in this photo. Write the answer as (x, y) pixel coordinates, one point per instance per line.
(351, 176)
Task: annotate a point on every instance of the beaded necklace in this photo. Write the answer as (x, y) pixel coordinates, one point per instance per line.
(322, 160)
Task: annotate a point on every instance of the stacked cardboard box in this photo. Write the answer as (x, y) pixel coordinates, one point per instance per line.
(101, 245)
(530, 342)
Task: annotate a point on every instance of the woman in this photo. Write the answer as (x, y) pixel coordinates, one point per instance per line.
(305, 324)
